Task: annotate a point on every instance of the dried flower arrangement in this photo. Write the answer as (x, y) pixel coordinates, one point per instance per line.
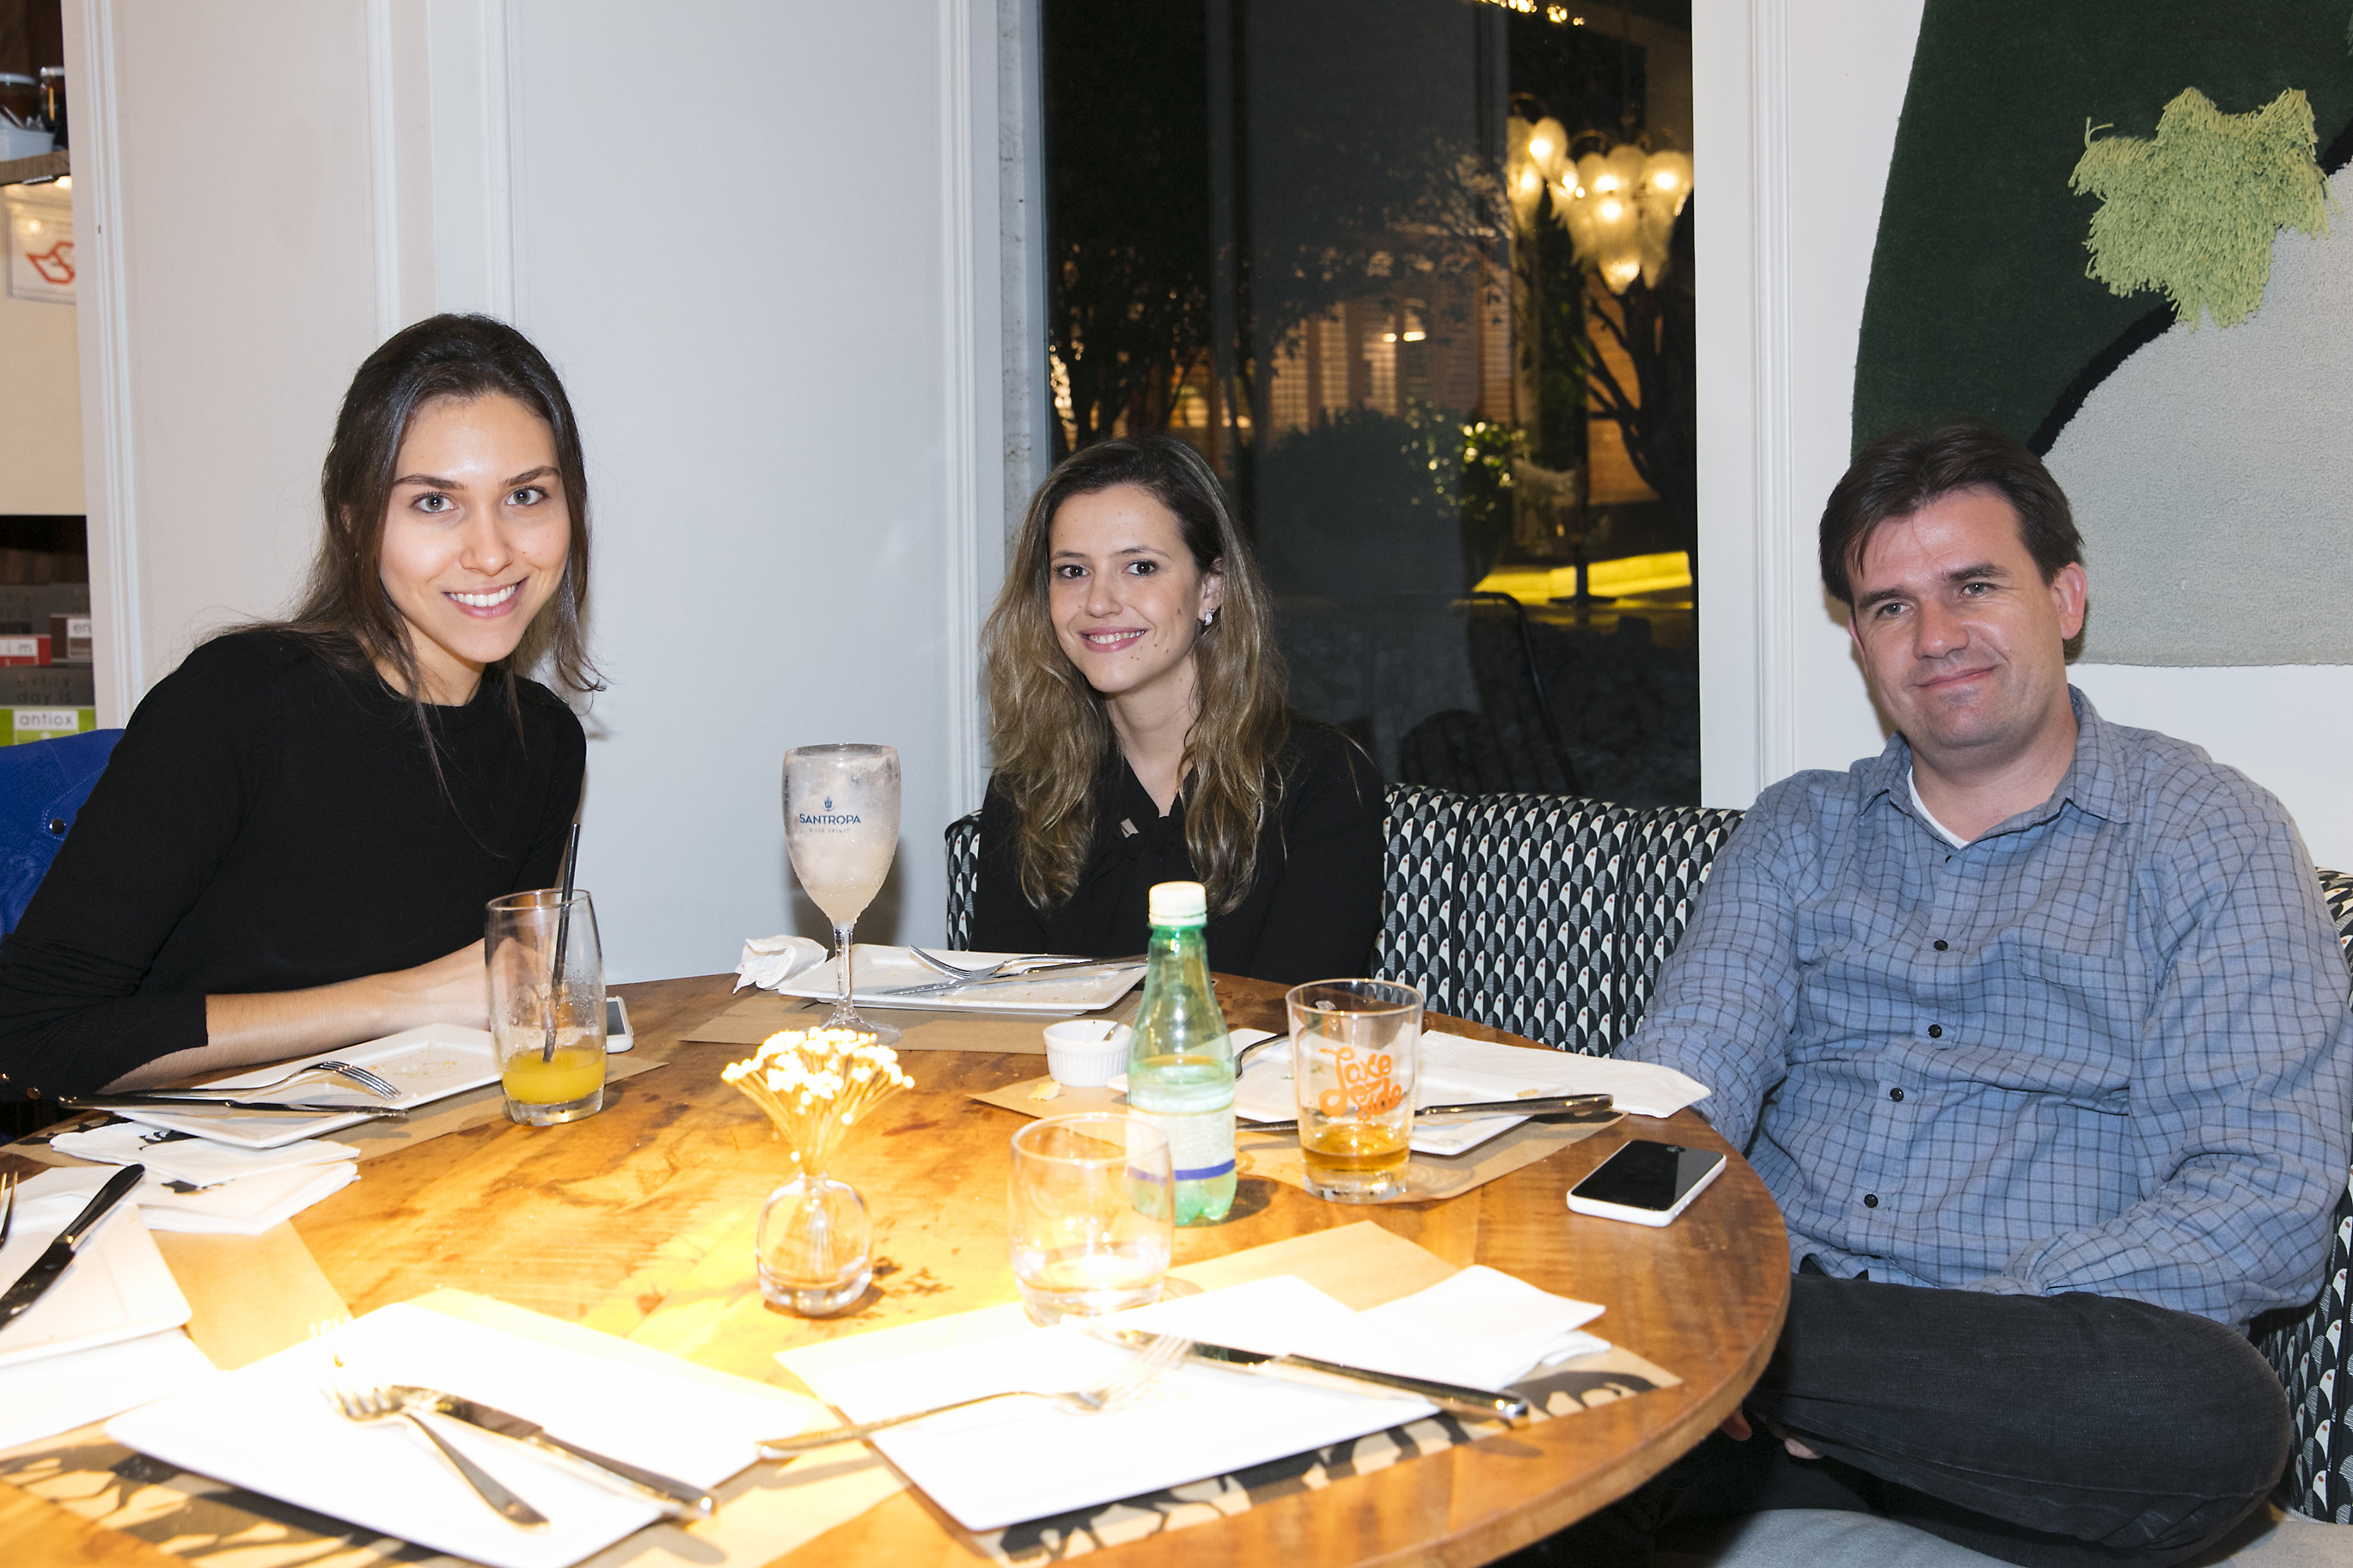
(815, 1084)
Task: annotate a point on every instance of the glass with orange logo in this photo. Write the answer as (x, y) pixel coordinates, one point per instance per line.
(1355, 1044)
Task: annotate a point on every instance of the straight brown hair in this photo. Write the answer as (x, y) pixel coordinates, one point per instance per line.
(345, 613)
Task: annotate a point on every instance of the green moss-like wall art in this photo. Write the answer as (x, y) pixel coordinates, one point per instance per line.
(1980, 301)
(2193, 210)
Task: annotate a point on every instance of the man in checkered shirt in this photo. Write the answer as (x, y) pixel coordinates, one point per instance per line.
(2036, 1027)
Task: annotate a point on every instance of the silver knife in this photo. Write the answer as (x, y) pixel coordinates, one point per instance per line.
(184, 1102)
(46, 1269)
(678, 1498)
(1067, 972)
(1484, 1404)
(1562, 1107)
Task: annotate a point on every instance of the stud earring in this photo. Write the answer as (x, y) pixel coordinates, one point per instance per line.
(1209, 619)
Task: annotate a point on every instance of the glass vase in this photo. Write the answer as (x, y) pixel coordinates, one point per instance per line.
(815, 1246)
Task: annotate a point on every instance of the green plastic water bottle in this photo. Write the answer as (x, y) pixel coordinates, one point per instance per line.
(1180, 1061)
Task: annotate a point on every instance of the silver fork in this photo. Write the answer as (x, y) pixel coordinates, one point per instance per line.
(368, 1406)
(1146, 1368)
(372, 1083)
(984, 971)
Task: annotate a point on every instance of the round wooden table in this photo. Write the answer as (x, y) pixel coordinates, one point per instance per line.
(624, 1221)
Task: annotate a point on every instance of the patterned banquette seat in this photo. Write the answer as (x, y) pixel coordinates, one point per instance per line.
(1550, 915)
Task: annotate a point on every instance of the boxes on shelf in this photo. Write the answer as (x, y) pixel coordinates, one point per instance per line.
(16, 650)
(68, 639)
(48, 686)
(46, 723)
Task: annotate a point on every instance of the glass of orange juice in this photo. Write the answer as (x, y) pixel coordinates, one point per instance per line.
(546, 978)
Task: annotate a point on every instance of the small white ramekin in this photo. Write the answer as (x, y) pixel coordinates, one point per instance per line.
(1086, 1053)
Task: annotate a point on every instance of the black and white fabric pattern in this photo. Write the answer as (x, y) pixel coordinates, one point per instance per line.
(1549, 916)
(963, 879)
(2308, 1349)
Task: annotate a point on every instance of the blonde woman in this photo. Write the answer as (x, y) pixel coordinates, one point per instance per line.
(1137, 704)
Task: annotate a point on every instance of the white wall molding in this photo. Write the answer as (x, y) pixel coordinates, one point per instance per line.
(973, 419)
(102, 304)
(474, 71)
(384, 166)
(1779, 545)
(1029, 443)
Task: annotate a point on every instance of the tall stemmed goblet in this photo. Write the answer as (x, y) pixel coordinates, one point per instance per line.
(841, 823)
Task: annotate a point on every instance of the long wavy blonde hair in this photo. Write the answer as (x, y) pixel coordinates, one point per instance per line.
(1053, 737)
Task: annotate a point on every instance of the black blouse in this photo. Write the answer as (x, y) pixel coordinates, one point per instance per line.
(269, 821)
(1314, 909)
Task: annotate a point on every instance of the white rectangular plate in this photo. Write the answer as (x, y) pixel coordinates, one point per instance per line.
(1000, 1463)
(117, 1287)
(874, 969)
(425, 1064)
(1265, 1092)
(268, 1428)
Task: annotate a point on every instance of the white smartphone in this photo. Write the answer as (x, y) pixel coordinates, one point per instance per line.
(616, 1026)
(1646, 1182)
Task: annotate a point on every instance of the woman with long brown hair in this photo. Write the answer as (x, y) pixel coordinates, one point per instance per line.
(291, 845)
(1140, 716)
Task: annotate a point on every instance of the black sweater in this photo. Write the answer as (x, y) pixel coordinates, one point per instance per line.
(268, 823)
(1314, 909)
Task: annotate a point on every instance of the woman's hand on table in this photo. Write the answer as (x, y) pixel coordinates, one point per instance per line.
(273, 1025)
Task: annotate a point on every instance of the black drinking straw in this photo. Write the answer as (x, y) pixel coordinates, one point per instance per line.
(563, 935)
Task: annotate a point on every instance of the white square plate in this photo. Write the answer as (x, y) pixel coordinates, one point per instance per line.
(425, 1064)
(877, 969)
(117, 1287)
(1265, 1094)
(268, 1428)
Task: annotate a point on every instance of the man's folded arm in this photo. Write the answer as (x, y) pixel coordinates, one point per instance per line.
(2243, 1104)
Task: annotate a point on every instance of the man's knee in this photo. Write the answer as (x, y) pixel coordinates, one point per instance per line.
(2224, 1404)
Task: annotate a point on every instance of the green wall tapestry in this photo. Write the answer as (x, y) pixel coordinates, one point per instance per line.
(1979, 302)
(2193, 156)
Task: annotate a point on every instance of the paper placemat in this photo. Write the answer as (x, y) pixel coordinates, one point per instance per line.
(1360, 1265)
(470, 1108)
(751, 1020)
(761, 1513)
(1429, 1177)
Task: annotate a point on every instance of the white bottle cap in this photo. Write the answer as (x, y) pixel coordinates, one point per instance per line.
(1179, 904)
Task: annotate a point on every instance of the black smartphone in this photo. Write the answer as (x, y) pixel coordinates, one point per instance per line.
(1646, 1182)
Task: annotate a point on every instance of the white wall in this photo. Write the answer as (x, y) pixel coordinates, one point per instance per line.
(1797, 103)
(743, 233)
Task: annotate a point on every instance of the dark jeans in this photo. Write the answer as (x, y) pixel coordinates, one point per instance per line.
(2053, 1431)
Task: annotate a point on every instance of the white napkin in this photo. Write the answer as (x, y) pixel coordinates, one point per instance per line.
(1014, 1460)
(1493, 1328)
(57, 1393)
(769, 960)
(265, 1427)
(171, 1157)
(247, 1207)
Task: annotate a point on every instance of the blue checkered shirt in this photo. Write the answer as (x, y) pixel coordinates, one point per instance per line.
(2104, 1047)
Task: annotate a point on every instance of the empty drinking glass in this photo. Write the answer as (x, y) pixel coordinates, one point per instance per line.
(1093, 1209)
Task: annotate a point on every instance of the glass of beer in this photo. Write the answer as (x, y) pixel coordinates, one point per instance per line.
(547, 1005)
(1355, 1044)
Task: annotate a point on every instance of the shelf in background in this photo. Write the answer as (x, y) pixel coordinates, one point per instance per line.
(42, 166)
